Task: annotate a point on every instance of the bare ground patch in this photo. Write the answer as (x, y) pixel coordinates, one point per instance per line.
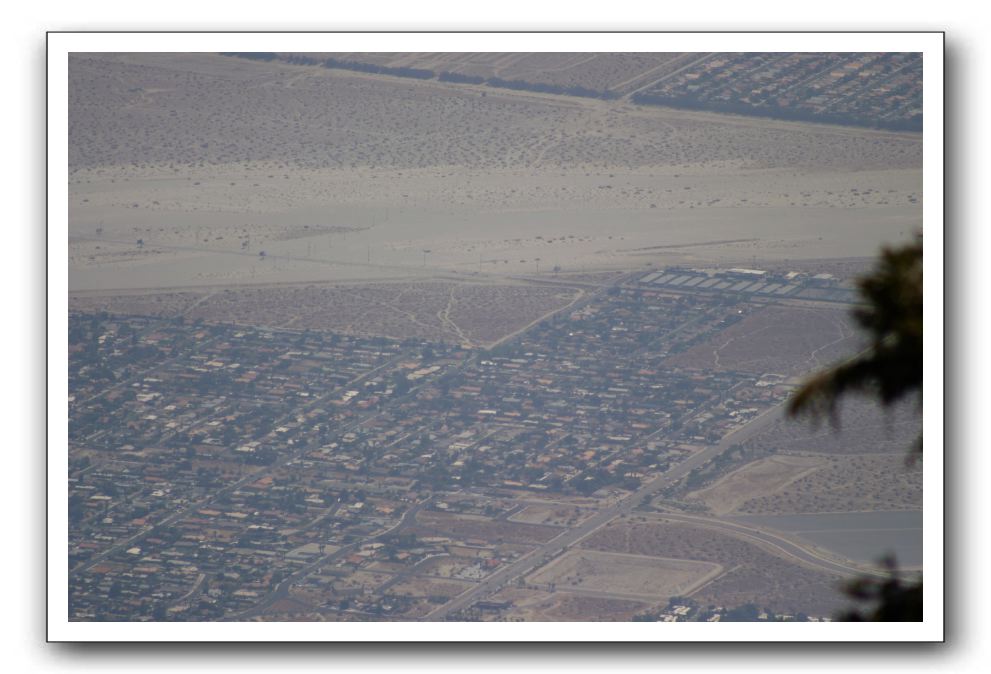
(780, 340)
(624, 575)
(554, 515)
(452, 566)
(846, 484)
(863, 427)
(761, 478)
(541, 606)
(429, 587)
(465, 313)
(753, 575)
(491, 531)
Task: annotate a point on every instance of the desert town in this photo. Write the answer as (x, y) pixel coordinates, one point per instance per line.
(479, 337)
(220, 471)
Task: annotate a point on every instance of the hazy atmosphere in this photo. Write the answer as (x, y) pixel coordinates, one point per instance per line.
(481, 336)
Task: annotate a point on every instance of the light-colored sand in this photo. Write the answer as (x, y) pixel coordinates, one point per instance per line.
(477, 314)
(338, 175)
(761, 478)
(849, 483)
(624, 575)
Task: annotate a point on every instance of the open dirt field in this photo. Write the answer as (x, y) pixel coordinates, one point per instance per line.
(465, 313)
(864, 428)
(623, 575)
(429, 587)
(778, 340)
(320, 170)
(449, 566)
(752, 573)
(538, 605)
(491, 531)
(363, 579)
(850, 483)
(759, 480)
(555, 515)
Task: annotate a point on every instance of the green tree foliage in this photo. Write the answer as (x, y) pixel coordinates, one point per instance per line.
(891, 600)
(890, 369)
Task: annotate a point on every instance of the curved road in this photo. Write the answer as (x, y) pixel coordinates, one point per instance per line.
(557, 545)
(541, 555)
(782, 543)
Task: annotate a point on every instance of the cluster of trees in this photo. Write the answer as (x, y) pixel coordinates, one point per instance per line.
(425, 74)
(459, 78)
(398, 71)
(253, 55)
(889, 370)
(543, 87)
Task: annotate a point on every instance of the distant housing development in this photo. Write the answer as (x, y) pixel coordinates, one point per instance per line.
(882, 89)
(478, 336)
(225, 472)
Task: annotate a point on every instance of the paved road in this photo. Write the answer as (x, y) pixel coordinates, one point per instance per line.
(557, 545)
(139, 376)
(281, 590)
(250, 477)
(781, 542)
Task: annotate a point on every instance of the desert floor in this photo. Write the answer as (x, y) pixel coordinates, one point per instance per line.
(336, 176)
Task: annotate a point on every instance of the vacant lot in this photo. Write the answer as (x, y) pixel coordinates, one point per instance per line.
(538, 605)
(757, 481)
(779, 340)
(449, 566)
(849, 483)
(491, 531)
(429, 587)
(365, 580)
(555, 515)
(465, 313)
(863, 427)
(624, 575)
(159, 305)
(753, 574)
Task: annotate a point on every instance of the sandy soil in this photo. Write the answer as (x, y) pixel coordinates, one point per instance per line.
(492, 531)
(428, 587)
(623, 575)
(776, 340)
(752, 573)
(537, 605)
(569, 606)
(758, 480)
(324, 173)
(467, 313)
(556, 515)
(852, 483)
(863, 427)
(449, 567)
